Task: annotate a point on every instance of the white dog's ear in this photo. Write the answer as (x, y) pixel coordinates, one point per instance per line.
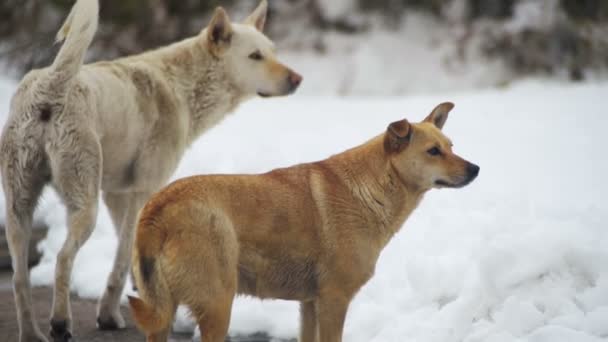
(219, 32)
(258, 17)
(440, 114)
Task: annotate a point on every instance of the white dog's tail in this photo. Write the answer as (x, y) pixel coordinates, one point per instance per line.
(77, 33)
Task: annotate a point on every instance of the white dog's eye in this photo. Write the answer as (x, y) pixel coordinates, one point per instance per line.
(256, 56)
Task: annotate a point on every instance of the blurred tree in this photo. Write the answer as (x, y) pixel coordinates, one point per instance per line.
(595, 10)
(397, 6)
(498, 9)
(22, 31)
(28, 27)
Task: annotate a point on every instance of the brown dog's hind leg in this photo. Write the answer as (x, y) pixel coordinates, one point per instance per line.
(213, 323)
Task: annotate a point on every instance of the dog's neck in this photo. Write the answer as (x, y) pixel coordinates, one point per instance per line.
(379, 188)
(202, 80)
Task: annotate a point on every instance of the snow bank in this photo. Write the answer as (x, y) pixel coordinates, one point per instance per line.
(519, 255)
(419, 55)
(6, 91)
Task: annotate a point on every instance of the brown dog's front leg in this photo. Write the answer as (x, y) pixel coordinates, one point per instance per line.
(309, 331)
(331, 312)
(162, 336)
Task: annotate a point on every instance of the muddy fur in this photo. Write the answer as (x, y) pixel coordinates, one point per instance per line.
(312, 232)
(119, 127)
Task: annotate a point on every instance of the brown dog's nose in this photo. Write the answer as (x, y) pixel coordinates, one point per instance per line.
(294, 80)
(472, 170)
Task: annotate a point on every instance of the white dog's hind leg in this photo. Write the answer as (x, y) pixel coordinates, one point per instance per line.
(76, 169)
(125, 205)
(24, 174)
(117, 207)
(19, 211)
(81, 221)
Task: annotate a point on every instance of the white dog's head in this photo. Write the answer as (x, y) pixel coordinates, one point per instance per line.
(249, 55)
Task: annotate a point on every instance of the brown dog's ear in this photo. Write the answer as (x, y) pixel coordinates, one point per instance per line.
(219, 32)
(257, 18)
(398, 135)
(440, 114)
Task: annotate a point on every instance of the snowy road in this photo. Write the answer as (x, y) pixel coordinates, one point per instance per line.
(520, 254)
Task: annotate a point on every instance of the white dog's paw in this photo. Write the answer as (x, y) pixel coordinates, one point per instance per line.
(35, 336)
(110, 321)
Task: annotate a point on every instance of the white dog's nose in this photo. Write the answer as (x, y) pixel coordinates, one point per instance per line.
(294, 80)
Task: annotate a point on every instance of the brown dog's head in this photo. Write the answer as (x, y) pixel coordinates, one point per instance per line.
(249, 55)
(422, 155)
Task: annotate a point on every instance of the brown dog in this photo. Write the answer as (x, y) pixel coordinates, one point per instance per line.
(311, 232)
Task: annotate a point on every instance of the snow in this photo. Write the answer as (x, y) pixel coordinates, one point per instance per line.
(534, 15)
(337, 9)
(519, 255)
(418, 54)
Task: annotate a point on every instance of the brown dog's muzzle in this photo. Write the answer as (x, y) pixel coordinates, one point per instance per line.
(471, 170)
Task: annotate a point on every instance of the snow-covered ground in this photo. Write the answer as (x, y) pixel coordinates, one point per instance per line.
(519, 255)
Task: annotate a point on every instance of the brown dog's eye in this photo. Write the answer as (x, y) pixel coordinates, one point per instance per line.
(256, 56)
(434, 151)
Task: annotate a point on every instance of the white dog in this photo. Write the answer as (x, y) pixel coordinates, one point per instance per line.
(121, 127)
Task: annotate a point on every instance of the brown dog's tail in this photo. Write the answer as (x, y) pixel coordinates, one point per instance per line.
(77, 34)
(149, 318)
(154, 311)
